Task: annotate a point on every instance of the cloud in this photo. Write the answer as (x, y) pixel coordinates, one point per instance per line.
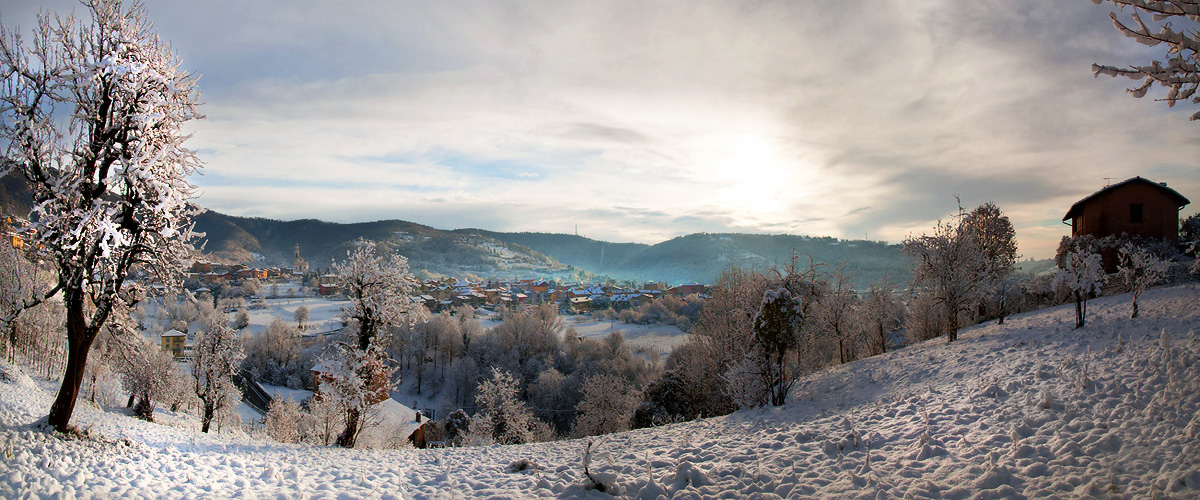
(642, 121)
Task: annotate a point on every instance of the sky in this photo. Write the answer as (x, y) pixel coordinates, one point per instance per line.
(641, 121)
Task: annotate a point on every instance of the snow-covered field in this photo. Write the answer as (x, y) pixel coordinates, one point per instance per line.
(1032, 409)
(641, 338)
(323, 313)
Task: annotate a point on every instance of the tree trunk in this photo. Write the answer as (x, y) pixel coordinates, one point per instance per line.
(1080, 309)
(347, 437)
(1135, 309)
(206, 419)
(952, 335)
(79, 342)
(1001, 322)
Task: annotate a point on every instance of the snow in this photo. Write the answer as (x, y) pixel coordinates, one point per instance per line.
(1031, 409)
(659, 337)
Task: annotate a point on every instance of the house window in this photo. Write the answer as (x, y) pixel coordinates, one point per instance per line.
(1135, 213)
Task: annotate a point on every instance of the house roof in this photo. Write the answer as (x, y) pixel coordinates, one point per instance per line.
(1078, 206)
(174, 333)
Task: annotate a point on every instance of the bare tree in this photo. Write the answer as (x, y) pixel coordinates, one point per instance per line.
(882, 313)
(1178, 29)
(111, 188)
(836, 314)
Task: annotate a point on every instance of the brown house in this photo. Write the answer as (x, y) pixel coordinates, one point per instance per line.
(1137, 207)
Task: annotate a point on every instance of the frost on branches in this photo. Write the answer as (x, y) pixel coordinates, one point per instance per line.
(1175, 24)
(218, 353)
(110, 187)
(1139, 269)
(949, 266)
(353, 380)
(503, 418)
(379, 289)
(1081, 273)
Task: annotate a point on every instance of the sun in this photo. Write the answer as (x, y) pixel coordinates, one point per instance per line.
(756, 179)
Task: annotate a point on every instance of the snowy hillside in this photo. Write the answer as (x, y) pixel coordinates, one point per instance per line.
(1032, 409)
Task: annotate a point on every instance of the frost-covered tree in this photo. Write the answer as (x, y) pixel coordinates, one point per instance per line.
(607, 406)
(1140, 269)
(21, 286)
(282, 420)
(241, 320)
(218, 354)
(149, 375)
(355, 379)
(301, 315)
(1081, 273)
(949, 266)
(548, 396)
(94, 113)
(274, 355)
(501, 411)
(322, 422)
(1175, 24)
(994, 234)
(379, 289)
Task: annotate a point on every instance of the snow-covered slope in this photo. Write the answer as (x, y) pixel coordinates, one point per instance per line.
(1032, 409)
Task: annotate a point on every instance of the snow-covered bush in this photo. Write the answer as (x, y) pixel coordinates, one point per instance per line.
(744, 383)
(321, 424)
(149, 375)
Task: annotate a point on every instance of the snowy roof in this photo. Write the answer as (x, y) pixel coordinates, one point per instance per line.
(174, 333)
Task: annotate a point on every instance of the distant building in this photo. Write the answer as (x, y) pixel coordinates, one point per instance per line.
(173, 341)
(1137, 207)
(299, 265)
(688, 289)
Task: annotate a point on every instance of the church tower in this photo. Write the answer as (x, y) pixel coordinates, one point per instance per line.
(299, 266)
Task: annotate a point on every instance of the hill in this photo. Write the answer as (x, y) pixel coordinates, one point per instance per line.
(696, 257)
(1032, 409)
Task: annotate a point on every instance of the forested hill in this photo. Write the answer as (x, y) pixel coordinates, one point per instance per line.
(483, 253)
